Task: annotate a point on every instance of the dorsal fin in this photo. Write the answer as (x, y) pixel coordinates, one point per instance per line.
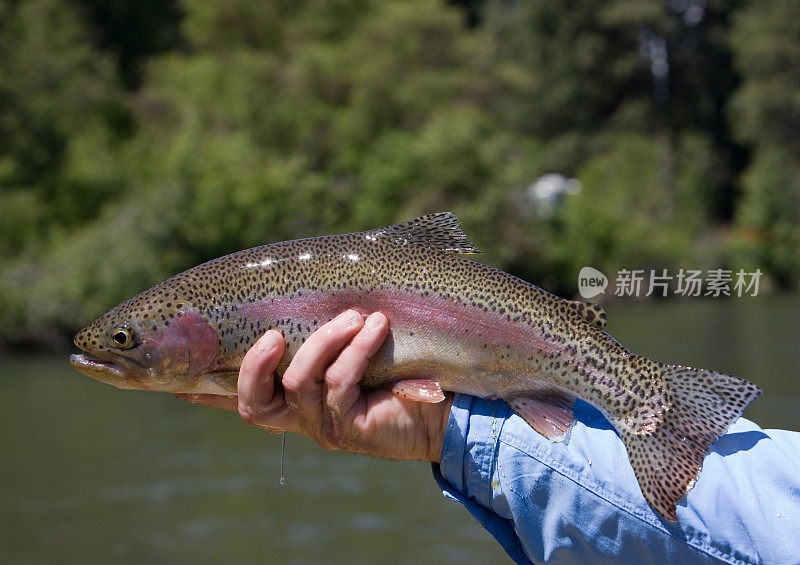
(440, 231)
(590, 312)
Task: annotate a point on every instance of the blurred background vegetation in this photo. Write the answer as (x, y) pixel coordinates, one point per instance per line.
(140, 138)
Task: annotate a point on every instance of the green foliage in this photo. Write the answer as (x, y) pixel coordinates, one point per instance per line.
(765, 39)
(628, 187)
(58, 102)
(769, 217)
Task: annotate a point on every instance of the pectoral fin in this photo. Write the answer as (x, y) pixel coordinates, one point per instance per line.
(421, 390)
(549, 413)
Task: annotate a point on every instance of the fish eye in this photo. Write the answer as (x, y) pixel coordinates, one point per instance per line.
(123, 337)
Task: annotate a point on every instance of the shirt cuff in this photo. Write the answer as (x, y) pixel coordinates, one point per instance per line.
(465, 471)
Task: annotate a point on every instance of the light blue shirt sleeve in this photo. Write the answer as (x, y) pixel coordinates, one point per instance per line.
(578, 501)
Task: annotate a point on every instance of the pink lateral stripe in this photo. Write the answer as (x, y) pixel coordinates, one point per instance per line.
(408, 310)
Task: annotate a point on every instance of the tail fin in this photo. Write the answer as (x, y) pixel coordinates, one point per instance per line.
(701, 406)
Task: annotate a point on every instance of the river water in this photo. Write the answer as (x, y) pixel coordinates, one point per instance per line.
(92, 473)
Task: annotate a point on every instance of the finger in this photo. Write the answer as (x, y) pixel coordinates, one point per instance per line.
(259, 404)
(303, 380)
(213, 400)
(342, 377)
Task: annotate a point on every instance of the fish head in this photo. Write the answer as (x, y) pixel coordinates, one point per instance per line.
(154, 341)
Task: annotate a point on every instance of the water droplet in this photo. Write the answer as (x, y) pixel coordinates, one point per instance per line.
(282, 480)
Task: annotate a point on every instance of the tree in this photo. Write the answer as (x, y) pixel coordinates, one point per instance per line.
(60, 109)
(765, 111)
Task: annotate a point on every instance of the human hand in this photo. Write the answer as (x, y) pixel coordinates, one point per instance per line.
(321, 397)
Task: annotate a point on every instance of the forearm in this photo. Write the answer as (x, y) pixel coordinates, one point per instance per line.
(545, 501)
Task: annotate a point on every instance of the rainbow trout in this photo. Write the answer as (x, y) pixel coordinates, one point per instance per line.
(455, 324)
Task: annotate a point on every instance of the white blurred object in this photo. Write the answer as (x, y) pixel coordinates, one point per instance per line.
(547, 193)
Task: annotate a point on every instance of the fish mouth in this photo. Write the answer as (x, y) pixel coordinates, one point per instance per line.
(105, 371)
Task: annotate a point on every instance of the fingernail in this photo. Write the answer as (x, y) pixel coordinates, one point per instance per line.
(374, 321)
(267, 342)
(348, 319)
